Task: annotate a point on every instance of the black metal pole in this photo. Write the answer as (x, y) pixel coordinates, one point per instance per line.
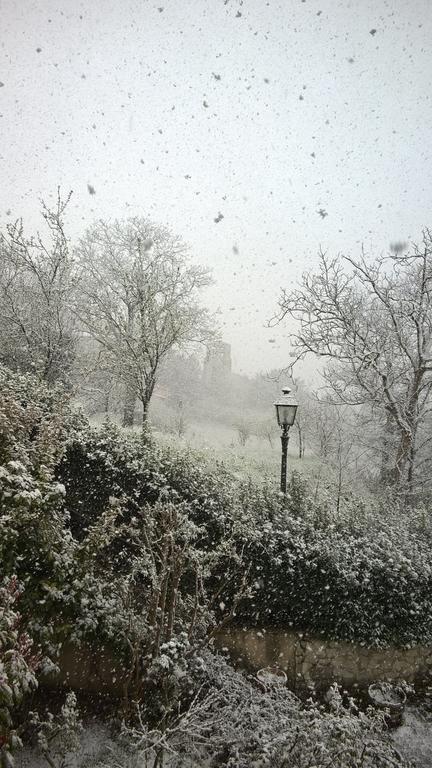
(284, 441)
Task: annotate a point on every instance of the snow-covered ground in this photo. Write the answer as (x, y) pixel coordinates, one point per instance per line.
(95, 743)
(414, 737)
(97, 751)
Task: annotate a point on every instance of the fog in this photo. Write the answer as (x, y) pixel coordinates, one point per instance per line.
(215, 383)
(256, 130)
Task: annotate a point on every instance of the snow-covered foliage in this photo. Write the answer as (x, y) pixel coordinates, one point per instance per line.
(18, 665)
(230, 721)
(364, 575)
(312, 567)
(139, 300)
(58, 737)
(371, 321)
(308, 567)
(34, 541)
(34, 423)
(150, 552)
(37, 285)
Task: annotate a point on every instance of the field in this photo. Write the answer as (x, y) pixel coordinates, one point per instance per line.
(256, 459)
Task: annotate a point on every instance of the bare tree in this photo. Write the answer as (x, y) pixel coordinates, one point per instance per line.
(140, 301)
(94, 384)
(244, 431)
(266, 430)
(338, 446)
(180, 420)
(36, 291)
(303, 423)
(372, 321)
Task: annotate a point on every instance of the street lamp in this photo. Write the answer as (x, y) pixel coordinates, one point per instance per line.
(286, 409)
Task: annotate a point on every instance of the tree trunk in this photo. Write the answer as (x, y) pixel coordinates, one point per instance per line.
(145, 405)
(300, 438)
(129, 405)
(387, 476)
(145, 399)
(411, 465)
(402, 460)
(130, 389)
(339, 489)
(406, 453)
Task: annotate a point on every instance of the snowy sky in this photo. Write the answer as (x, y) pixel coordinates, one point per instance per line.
(261, 112)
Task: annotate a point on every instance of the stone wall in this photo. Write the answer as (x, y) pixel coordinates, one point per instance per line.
(311, 660)
(89, 669)
(305, 661)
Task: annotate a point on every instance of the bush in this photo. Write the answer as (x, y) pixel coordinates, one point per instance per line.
(18, 666)
(363, 574)
(35, 544)
(232, 722)
(119, 541)
(34, 423)
(102, 463)
(372, 587)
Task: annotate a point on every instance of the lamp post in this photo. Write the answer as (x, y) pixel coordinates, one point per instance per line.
(286, 409)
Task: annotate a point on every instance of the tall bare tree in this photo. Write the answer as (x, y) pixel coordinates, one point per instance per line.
(140, 300)
(372, 322)
(37, 331)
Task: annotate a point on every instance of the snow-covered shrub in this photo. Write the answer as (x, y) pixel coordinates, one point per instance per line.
(34, 423)
(369, 582)
(103, 463)
(151, 551)
(59, 736)
(145, 587)
(362, 574)
(18, 665)
(231, 722)
(35, 544)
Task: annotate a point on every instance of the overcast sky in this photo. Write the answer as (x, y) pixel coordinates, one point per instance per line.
(294, 124)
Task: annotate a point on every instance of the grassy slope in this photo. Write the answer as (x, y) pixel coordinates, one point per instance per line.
(257, 459)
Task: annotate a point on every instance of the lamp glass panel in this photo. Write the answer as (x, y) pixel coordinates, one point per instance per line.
(286, 414)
